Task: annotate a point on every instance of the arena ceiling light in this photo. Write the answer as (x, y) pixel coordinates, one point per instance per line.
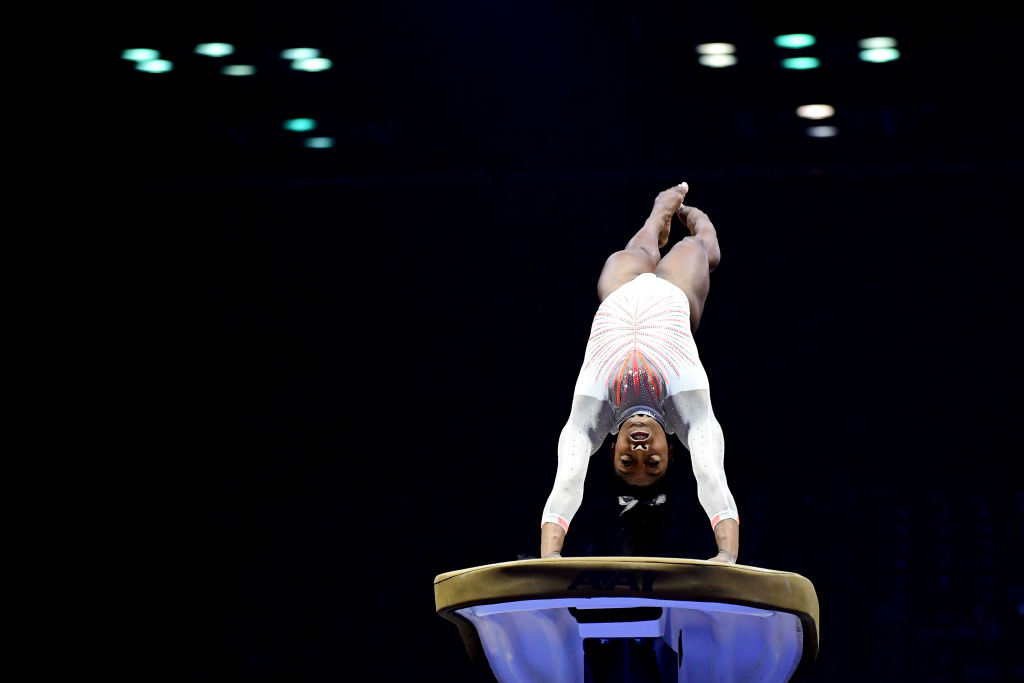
(155, 66)
(822, 131)
(815, 111)
(717, 61)
(801, 63)
(876, 43)
(299, 125)
(215, 49)
(300, 53)
(716, 55)
(319, 143)
(716, 49)
(795, 41)
(880, 54)
(238, 70)
(140, 54)
(313, 64)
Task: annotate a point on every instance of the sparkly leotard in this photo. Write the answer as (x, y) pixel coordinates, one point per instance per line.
(641, 357)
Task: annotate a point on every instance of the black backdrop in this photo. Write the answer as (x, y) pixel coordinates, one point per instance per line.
(353, 363)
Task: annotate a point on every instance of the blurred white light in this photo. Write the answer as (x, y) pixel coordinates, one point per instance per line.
(880, 42)
(238, 70)
(823, 131)
(801, 63)
(879, 55)
(319, 143)
(815, 111)
(215, 49)
(155, 66)
(717, 61)
(314, 64)
(300, 53)
(716, 48)
(140, 55)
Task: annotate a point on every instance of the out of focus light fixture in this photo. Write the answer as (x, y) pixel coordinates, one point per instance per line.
(795, 40)
(319, 143)
(313, 64)
(877, 43)
(238, 70)
(716, 49)
(880, 54)
(716, 55)
(801, 63)
(822, 131)
(215, 49)
(155, 66)
(299, 125)
(815, 111)
(300, 53)
(717, 61)
(140, 54)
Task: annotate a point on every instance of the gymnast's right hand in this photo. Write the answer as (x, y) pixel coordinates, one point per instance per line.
(552, 537)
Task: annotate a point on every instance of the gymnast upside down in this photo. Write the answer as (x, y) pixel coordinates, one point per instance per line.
(642, 377)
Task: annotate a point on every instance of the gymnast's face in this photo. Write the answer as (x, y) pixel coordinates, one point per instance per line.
(642, 451)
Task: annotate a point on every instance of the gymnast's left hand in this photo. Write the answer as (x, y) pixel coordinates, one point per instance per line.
(723, 556)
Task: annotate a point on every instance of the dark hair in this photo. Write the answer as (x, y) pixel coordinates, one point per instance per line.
(601, 527)
(642, 525)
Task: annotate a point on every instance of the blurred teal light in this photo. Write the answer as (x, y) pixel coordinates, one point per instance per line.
(215, 49)
(155, 66)
(795, 40)
(801, 63)
(140, 55)
(314, 64)
(880, 54)
(238, 70)
(319, 143)
(300, 53)
(300, 125)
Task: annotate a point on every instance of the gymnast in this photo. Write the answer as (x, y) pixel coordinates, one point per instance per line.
(642, 378)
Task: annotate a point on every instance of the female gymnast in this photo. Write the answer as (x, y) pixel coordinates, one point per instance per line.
(642, 378)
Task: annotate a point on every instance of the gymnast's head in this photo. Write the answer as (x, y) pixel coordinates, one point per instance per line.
(641, 452)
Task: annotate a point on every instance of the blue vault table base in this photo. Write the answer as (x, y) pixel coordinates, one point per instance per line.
(558, 620)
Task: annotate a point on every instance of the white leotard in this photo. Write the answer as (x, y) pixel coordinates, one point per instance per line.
(641, 356)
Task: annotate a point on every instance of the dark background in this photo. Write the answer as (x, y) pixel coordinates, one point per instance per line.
(352, 364)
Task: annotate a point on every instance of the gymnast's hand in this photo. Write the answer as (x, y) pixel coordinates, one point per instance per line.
(551, 538)
(723, 556)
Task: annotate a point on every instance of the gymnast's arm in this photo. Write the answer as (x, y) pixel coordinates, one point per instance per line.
(588, 425)
(699, 430)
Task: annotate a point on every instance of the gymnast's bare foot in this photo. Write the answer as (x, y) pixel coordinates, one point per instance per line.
(665, 206)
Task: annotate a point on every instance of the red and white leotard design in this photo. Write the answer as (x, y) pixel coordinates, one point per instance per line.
(641, 349)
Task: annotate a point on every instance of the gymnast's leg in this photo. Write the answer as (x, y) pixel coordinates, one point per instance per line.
(689, 263)
(642, 253)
